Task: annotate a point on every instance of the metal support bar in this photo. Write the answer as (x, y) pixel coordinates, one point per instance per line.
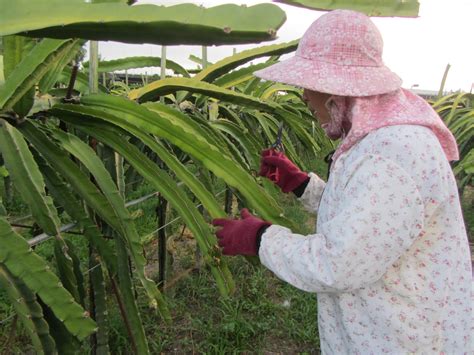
(163, 62)
(204, 57)
(44, 237)
(72, 81)
(161, 214)
(93, 67)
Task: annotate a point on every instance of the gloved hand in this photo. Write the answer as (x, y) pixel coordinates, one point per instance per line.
(282, 171)
(239, 236)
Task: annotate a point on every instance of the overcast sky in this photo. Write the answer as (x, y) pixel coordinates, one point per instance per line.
(416, 49)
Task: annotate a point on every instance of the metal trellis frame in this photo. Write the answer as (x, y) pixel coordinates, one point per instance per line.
(43, 237)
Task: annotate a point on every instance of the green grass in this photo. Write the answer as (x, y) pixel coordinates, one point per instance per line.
(264, 315)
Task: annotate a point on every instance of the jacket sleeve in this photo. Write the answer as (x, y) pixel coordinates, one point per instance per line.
(313, 192)
(381, 215)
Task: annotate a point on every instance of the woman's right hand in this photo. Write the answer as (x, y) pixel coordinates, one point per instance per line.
(276, 166)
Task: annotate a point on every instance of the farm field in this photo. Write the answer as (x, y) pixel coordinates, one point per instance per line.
(111, 182)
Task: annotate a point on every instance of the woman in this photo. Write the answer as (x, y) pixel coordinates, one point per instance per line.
(390, 260)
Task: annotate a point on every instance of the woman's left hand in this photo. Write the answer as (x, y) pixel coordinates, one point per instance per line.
(239, 236)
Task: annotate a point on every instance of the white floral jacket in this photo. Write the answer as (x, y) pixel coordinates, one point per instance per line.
(390, 259)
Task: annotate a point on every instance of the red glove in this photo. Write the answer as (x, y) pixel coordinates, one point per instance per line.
(282, 171)
(239, 236)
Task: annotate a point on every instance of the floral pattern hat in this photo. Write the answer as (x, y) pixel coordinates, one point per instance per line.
(340, 54)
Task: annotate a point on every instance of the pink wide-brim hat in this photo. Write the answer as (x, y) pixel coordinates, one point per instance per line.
(339, 54)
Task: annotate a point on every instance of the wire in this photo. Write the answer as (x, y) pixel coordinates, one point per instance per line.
(160, 228)
(174, 220)
(92, 268)
(7, 319)
(43, 237)
(141, 199)
(19, 219)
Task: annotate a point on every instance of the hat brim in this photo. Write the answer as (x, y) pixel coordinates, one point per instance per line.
(341, 80)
